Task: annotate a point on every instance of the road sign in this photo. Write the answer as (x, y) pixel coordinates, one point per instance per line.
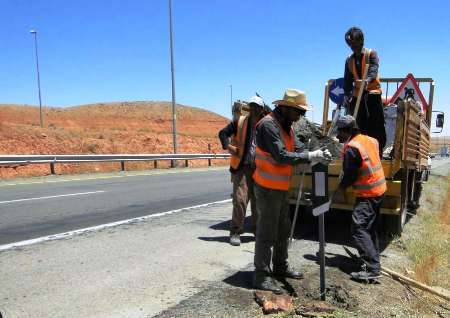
(337, 91)
(320, 206)
(409, 87)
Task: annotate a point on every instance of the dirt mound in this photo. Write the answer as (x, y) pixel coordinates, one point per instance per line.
(306, 130)
(121, 127)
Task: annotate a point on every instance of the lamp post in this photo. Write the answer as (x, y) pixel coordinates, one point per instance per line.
(34, 32)
(172, 68)
(231, 94)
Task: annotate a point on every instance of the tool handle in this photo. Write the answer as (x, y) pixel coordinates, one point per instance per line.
(361, 91)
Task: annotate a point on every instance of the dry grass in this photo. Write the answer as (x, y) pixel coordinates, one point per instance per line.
(429, 247)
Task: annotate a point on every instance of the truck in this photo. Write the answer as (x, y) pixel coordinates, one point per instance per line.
(406, 167)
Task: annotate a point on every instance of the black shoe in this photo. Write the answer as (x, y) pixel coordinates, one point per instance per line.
(235, 239)
(267, 283)
(288, 273)
(365, 275)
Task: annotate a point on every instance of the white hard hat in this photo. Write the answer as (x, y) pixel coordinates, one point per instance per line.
(256, 100)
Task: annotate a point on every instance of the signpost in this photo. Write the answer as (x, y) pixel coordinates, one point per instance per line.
(321, 205)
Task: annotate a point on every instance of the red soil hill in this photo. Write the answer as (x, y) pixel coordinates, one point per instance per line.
(106, 128)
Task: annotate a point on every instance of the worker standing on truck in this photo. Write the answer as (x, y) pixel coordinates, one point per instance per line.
(362, 169)
(276, 154)
(370, 117)
(242, 165)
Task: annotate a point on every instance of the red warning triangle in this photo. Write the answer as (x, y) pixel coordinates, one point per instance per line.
(409, 86)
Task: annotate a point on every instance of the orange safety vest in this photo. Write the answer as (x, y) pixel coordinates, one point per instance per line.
(238, 140)
(268, 172)
(370, 181)
(375, 85)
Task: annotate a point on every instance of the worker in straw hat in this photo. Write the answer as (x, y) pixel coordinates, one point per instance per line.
(276, 153)
(363, 171)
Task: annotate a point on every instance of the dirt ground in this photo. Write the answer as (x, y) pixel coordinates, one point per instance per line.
(108, 128)
(233, 297)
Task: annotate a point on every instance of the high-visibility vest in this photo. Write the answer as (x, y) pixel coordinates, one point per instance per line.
(370, 181)
(268, 172)
(238, 140)
(375, 85)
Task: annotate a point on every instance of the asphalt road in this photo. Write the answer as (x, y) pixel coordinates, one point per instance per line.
(33, 209)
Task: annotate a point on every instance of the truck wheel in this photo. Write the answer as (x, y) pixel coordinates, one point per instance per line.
(396, 223)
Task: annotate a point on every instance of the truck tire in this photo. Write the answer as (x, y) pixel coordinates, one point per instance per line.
(396, 223)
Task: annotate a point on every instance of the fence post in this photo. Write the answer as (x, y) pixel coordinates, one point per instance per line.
(122, 165)
(209, 151)
(186, 163)
(52, 167)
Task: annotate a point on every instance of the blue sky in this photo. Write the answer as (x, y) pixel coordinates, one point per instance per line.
(115, 50)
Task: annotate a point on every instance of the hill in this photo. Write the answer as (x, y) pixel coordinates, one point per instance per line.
(119, 127)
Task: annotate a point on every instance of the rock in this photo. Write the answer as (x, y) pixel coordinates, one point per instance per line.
(305, 130)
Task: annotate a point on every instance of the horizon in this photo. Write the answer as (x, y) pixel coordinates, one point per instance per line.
(107, 51)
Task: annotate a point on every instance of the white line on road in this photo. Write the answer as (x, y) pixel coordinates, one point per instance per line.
(51, 197)
(101, 226)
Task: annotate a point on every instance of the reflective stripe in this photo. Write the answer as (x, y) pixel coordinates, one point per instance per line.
(274, 177)
(369, 186)
(259, 156)
(360, 148)
(370, 170)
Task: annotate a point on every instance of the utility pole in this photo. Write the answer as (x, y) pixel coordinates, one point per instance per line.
(34, 32)
(231, 95)
(172, 68)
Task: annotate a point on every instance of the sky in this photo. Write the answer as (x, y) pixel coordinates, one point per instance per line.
(115, 50)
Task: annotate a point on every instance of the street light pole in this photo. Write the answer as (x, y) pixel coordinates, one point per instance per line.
(172, 68)
(231, 95)
(34, 32)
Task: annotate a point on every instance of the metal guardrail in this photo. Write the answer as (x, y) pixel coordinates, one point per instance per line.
(17, 160)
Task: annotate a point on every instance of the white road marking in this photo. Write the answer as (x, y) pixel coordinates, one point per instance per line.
(101, 226)
(128, 174)
(51, 197)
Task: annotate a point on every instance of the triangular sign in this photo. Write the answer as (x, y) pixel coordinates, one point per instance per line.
(409, 87)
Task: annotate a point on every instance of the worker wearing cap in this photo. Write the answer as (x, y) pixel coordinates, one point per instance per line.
(370, 117)
(242, 165)
(275, 156)
(363, 171)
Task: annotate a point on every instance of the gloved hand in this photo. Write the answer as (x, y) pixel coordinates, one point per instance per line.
(320, 155)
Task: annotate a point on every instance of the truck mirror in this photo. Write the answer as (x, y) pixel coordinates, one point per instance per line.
(440, 120)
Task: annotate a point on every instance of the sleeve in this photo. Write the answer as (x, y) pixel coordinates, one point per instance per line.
(352, 162)
(373, 67)
(348, 79)
(225, 134)
(269, 139)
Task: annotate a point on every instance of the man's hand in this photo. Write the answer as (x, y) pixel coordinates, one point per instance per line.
(339, 196)
(232, 149)
(322, 155)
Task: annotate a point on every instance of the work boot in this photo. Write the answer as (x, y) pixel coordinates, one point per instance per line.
(235, 239)
(365, 276)
(266, 283)
(288, 273)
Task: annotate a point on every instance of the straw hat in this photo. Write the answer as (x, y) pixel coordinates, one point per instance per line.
(293, 98)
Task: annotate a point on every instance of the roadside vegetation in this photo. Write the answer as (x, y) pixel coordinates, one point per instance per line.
(428, 237)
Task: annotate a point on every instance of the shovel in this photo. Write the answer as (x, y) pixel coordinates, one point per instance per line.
(361, 91)
(297, 204)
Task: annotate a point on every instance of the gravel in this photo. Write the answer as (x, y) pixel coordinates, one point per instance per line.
(305, 130)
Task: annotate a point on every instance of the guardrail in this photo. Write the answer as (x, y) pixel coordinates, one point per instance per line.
(18, 160)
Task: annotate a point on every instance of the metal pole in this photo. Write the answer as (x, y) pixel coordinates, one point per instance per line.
(322, 256)
(34, 32)
(172, 69)
(231, 95)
